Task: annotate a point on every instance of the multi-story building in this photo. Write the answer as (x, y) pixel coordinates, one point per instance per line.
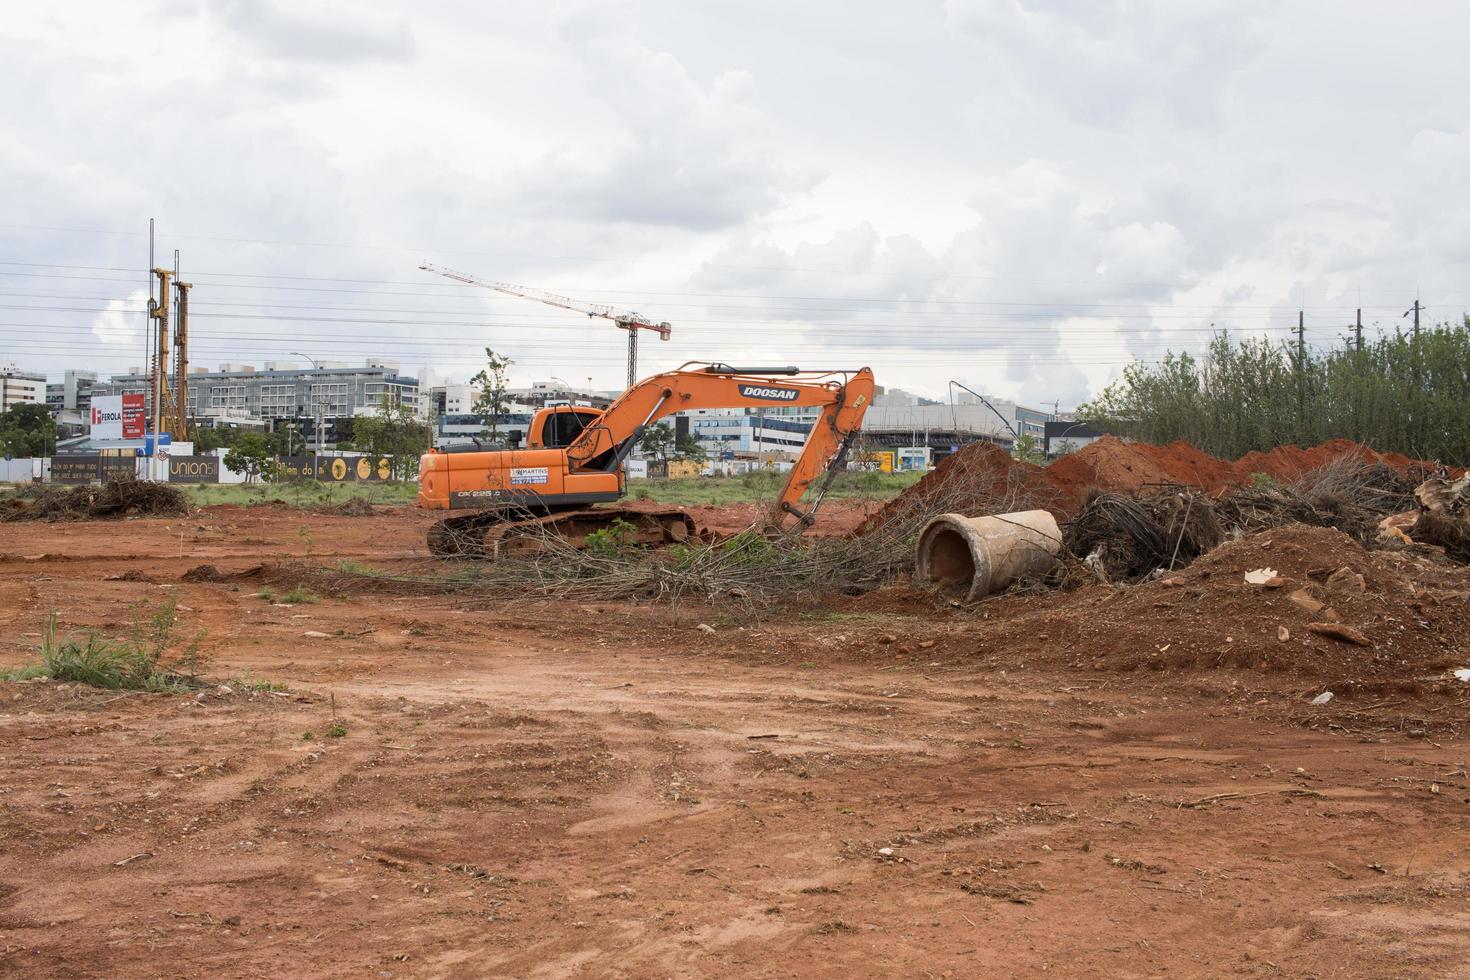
(74, 394)
(19, 387)
(286, 393)
(747, 430)
(558, 392)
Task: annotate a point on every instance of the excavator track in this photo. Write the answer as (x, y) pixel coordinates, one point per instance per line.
(491, 534)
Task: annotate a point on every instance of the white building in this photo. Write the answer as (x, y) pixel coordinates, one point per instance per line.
(19, 387)
(73, 394)
(745, 430)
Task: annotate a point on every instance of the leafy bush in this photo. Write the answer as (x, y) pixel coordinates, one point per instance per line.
(612, 541)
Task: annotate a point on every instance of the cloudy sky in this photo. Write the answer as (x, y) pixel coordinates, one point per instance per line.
(1017, 194)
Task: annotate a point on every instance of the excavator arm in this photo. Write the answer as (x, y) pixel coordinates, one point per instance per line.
(842, 396)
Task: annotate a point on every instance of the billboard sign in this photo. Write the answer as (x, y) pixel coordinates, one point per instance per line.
(193, 469)
(116, 418)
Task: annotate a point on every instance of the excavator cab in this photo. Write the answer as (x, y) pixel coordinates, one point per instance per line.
(555, 427)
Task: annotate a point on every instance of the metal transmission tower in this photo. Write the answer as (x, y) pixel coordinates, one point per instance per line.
(623, 319)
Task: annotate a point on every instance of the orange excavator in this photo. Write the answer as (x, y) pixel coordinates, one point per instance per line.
(519, 498)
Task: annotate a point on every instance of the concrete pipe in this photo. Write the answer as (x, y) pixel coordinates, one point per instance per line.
(975, 556)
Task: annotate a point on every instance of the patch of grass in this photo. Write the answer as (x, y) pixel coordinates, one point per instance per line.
(267, 593)
(337, 730)
(349, 567)
(300, 595)
(256, 684)
(302, 493)
(140, 662)
(24, 673)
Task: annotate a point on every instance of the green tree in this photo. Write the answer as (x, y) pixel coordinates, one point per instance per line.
(688, 447)
(1396, 392)
(1027, 450)
(207, 440)
(492, 401)
(657, 441)
(27, 430)
(395, 432)
(251, 456)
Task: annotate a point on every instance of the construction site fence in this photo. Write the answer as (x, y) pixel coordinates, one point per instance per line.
(84, 468)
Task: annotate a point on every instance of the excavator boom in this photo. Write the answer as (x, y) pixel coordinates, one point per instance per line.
(842, 396)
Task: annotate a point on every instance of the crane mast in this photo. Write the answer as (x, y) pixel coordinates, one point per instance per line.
(623, 319)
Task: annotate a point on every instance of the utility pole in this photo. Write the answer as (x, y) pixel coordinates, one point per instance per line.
(1301, 372)
(315, 402)
(1358, 333)
(1415, 310)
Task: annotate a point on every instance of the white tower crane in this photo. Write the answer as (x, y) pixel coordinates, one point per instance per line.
(623, 319)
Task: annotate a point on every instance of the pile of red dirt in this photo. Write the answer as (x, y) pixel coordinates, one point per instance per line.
(1286, 463)
(982, 478)
(1112, 464)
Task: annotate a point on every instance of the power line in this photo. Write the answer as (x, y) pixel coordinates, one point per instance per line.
(464, 292)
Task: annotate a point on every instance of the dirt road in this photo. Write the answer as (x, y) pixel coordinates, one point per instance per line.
(871, 786)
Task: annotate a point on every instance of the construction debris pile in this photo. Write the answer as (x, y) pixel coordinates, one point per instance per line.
(1302, 600)
(113, 500)
(1134, 510)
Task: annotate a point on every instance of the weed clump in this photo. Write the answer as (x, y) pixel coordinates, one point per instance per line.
(143, 661)
(300, 595)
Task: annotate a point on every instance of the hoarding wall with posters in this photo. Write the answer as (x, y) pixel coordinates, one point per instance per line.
(76, 469)
(353, 469)
(117, 467)
(297, 467)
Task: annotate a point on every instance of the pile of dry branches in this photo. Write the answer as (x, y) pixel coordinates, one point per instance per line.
(1125, 538)
(117, 498)
(1348, 494)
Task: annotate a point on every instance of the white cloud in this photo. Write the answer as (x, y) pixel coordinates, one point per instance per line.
(316, 33)
(670, 152)
(1103, 60)
(1015, 193)
(118, 325)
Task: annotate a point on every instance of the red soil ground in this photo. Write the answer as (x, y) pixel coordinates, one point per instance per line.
(1098, 783)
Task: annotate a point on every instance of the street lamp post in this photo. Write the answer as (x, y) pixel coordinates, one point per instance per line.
(315, 404)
